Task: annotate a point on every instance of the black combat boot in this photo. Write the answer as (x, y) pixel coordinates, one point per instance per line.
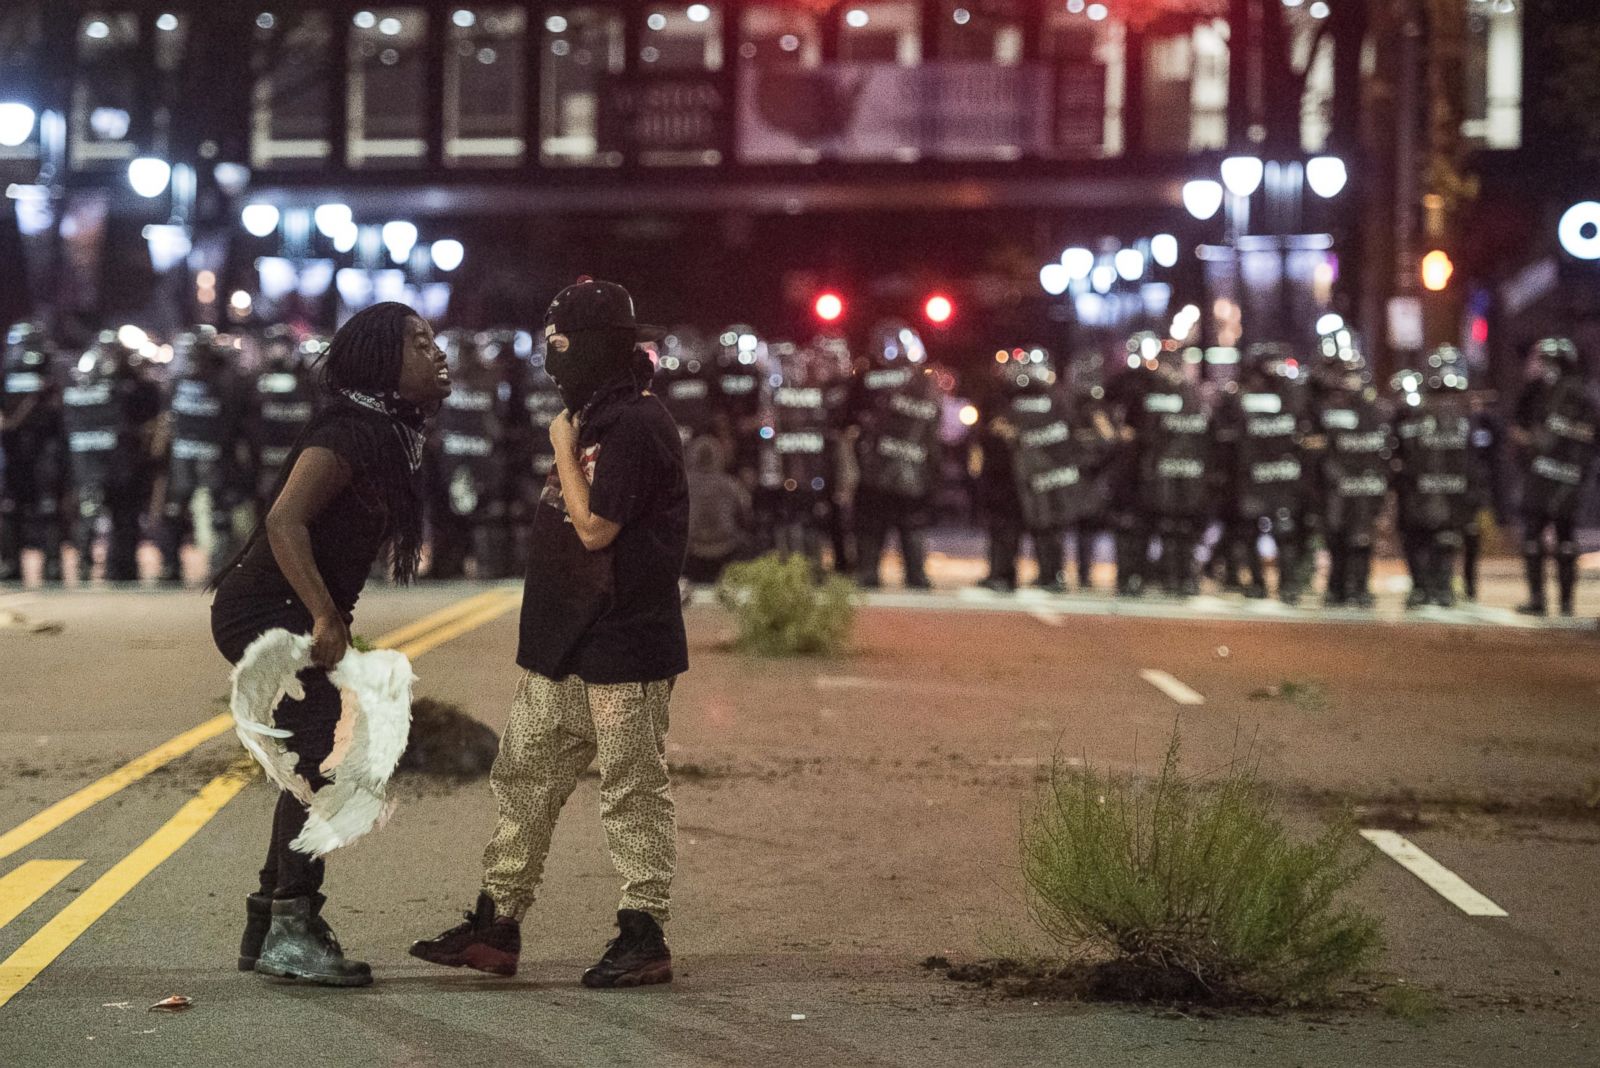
(257, 920)
(300, 945)
(1567, 581)
(637, 957)
(486, 942)
(1533, 568)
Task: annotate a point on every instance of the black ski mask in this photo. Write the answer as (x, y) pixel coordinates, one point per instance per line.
(590, 361)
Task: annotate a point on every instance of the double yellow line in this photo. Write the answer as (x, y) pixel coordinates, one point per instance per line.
(22, 887)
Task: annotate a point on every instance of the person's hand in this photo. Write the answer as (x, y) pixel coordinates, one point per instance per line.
(329, 640)
(564, 432)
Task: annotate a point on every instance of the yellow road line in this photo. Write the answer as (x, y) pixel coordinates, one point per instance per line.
(36, 827)
(51, 940)
(21, 888)
(508, 600)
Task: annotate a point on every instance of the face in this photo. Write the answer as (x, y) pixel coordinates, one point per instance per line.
(424, 376)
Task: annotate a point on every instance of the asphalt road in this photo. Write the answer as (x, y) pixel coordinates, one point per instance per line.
(839, 821)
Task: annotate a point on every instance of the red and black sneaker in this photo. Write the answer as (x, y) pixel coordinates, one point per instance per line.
(486, 942)
(637, 957)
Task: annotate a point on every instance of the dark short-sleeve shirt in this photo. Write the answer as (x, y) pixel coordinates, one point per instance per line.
(614, 615)
(346, 537)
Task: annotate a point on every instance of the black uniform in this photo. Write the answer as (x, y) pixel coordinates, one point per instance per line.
(896, 412)
(1435, 474)
(111, 412)
(1354, 457)
(469, 473)
(285, 401)
(208, 466)
(1171, 456)
(33, 453)
(1560, 421)
(794, 483)
(1259, 432)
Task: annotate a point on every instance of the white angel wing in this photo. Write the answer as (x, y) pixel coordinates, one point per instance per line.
(263, 677)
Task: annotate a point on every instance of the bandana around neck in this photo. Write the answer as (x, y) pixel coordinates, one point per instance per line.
(410, 435)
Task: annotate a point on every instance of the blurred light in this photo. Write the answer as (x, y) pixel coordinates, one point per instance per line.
(1129, 263)
(34, 213)
(1075, 7)
(961, 16)
(789, 43)
(1054, 279)
(399, 238)
(1242, 174)
(331, 219)
(1103, 278)
(109, 124)
(1078, 262)
(278, 277)
(1319, 10)
(1326, 175)
(447, 254)
(167, 23)
(132, 337)
(168, 244)
(656, 21)
(938, 309)
(16, 124)
(365, 19)
(265, 20)
(1330, 323)
(829, 307)
(1480, 329)
(1579, 230)
(1436, 271)
(259, 219)
(389, 27)
(464, 18)
(698, 13)
(149, 176)
(969, 415)
(344, 239)
(747, 343)
(97, 30)
(231, 177)
(1202, 197)
(856, 18)
(556, 24)
(1164, 250)
(1096, 12)
(240, 302)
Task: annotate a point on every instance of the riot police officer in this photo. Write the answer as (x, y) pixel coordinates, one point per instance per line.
(468, 486)
(1433, 430)
(1558, 430)
(1353, 447)
(33, 452)
(285, 400)
(1259, 432)
(793, 469)
(111, 410)
(1092, 419)
(1170, 436)
(894, 413)
(686, 380)
(208, 468)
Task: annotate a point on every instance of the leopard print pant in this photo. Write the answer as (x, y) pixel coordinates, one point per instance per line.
(558, 727)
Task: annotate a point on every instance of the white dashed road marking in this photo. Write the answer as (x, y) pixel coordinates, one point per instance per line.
(1171, 687)
(1049, 619)
(857, 682)
(1446, 883)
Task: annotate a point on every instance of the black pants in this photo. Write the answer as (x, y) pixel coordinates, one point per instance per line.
(1431, 557)
(1350, 566)
(1564, 529)
(235, 623)
(124, 505)
(1005, 545)
(876, 516)
(1242, 537)
(1088, 532)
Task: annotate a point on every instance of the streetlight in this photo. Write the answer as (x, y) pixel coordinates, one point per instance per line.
(1579, 230)
(259, 219)
(1202, 197)
(399, 238)
(447, 254)
(829, 307)
(1054, 279)
(16, 123)
(1129, 263)
(332, 219)
(1326, 175)
(149, 176)
(1242, 174)
(1078, 262)
(1164, 250)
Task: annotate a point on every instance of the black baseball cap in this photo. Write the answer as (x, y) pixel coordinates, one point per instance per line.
(595, 305)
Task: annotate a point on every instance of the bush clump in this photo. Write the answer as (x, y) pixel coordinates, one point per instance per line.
(783, 610)
(1192, 889)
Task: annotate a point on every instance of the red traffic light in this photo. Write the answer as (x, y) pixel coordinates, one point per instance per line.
(829, 307)
(939, 309)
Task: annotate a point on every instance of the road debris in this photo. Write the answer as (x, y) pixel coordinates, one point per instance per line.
(14, 620)
(797, 1016)
(176, 1003)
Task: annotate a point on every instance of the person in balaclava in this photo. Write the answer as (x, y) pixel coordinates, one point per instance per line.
(601, 643)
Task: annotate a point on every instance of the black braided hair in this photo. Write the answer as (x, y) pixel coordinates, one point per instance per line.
(365, 356)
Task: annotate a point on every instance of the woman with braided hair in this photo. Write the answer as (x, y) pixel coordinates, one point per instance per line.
(348, 493)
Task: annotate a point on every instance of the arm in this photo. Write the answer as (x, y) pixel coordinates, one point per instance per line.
(318, 476)
(596, 532)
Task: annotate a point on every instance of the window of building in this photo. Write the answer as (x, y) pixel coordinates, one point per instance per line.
(387, 103)
(986, 31)
(681, 39)
(106, 93)
(780, 37)
(21, 41)
(1493, 75)
(1308, 29)
(484, 87)
(1091, 76)
(583, 52)
(1186, 91)
(290, 120)
(881, 31)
